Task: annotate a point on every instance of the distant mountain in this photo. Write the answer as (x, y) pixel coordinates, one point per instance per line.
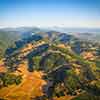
(92, 34)
(88, 36)
(76, 30)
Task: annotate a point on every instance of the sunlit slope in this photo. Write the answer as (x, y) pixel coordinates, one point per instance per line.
(30, 87)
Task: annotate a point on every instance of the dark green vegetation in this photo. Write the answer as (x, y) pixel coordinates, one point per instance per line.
(68, 72)
(7, 79)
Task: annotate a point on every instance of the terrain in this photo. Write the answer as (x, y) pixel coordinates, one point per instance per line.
(41, 64)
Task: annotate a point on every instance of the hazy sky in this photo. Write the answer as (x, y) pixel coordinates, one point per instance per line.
(46, 13)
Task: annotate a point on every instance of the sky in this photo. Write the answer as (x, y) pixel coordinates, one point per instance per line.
(50, 13)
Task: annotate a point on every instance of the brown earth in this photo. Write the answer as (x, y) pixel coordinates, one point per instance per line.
(31, 86)
(2, 66)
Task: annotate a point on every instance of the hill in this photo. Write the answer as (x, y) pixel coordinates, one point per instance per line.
(50, 65)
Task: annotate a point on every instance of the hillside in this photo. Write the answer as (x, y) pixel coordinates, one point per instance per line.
(8, 36)
(50, 65)
(7, 39)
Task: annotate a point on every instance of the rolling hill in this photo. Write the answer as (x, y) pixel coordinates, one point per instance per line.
(49, 65)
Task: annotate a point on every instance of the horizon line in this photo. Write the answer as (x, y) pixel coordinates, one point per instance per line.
(25, 26)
